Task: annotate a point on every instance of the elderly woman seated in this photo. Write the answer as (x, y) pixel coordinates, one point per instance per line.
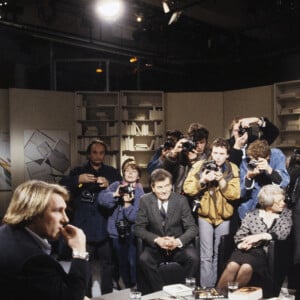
(272, 221)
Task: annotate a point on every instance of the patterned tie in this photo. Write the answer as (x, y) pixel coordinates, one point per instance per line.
(163, 214)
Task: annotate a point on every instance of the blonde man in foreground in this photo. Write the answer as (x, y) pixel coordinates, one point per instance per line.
(35, 215)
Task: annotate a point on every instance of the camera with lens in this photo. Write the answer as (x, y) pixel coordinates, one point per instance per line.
(123, 228)
(210, 165)
(253, 131)
(169, 144)
(252, 164)
(127, 189)
(87, 196)
(188, 146)
(242, 130)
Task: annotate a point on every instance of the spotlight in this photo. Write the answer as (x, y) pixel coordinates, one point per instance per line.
(166, 7)
(99, 70)
(133, 59)
(175, 16)
(110, 9)
(139, 18)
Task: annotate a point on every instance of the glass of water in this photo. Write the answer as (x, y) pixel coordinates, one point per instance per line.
(190, 282)
(232, 286)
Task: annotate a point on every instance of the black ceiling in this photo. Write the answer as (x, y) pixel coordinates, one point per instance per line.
(214, 45)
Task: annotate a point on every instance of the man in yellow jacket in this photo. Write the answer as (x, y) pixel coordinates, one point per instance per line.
(215, 183)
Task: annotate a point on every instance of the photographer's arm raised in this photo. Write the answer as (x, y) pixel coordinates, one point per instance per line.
(176, 150)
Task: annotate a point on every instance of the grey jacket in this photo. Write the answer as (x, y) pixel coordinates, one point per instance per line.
(179, 220)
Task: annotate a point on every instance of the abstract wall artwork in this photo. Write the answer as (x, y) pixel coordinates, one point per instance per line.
(5, 162)
(47, 154)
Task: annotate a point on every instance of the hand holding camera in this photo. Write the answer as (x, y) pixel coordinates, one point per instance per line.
(256, 166)
(126, 193)
(87, 178)
(102, 181)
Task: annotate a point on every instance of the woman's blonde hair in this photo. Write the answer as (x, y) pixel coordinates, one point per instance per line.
(30, 199)
(267, 194)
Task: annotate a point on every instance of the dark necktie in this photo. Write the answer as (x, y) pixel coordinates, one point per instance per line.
(163, 214)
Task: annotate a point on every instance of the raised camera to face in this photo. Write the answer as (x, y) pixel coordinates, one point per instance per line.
(252, 164)
(127, 189)
(242, 130)
(210, 165)
(188, 146)
(169, 143)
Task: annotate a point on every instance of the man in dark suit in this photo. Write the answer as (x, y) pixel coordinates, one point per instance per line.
(35, 215)
(167, 227)
(85, 183)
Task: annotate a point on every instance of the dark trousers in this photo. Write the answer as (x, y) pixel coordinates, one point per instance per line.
(149, 276)
(125, 250)
(103, 252)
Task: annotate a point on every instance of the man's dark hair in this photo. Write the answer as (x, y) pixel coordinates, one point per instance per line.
(174, 133)
(89, 147)
(221, 142)
(160, 175)
(197, 132)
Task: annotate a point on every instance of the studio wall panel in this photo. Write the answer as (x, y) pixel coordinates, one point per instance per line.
(203, 107)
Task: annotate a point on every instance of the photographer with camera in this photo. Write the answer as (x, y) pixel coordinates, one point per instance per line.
(172, 136)
(186, 152)
(215, 182)
(262, 166)
(84, 183)
(246, 130)
(123, 197)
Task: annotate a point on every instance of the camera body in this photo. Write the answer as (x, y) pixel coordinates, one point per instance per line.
(210, 165)
(252, 164)
(87, 196)
(123, 228)
(242, 130)
(169, 143)
(127, 189)
(188, 146)
(253, 131)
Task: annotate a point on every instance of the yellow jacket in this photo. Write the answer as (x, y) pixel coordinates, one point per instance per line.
(214, 207)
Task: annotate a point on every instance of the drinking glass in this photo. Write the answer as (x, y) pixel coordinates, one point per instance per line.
(190, 282)
(232, 286)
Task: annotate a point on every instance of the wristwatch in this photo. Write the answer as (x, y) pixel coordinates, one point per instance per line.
(80, 255)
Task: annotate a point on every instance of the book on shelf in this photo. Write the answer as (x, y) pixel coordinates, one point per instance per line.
(141, 147)
(246, 293)
(91, 130)
(288, 95)
(151, 146)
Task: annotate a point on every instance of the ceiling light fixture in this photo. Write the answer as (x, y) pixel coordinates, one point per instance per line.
(99, 70)
(166, 7)
(175, 16)
(139, 17)
(133, 59)
(110, 9)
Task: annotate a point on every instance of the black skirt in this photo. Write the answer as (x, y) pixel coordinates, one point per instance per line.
(255, 257)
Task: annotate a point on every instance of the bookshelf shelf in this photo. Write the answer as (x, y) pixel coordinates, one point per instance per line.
(287, 114)
(130, 122)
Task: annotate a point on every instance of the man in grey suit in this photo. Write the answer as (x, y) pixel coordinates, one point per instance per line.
(165, 223)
